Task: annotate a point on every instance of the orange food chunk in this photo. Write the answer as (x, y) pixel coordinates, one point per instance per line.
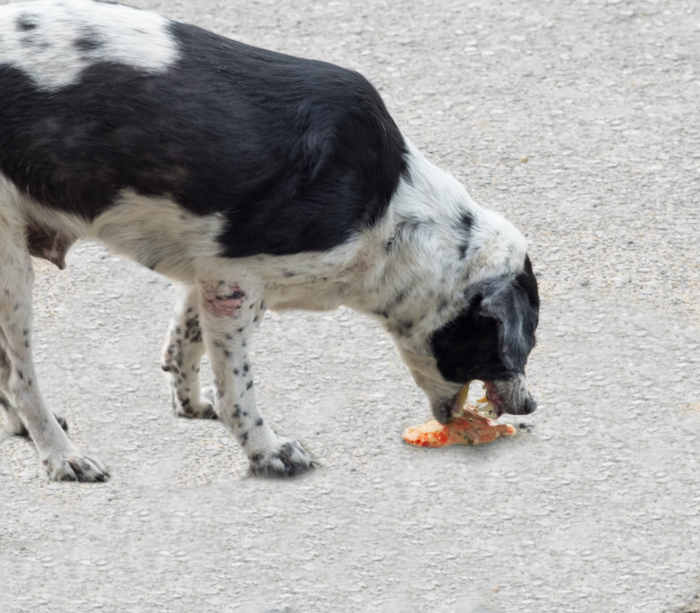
(467, 429)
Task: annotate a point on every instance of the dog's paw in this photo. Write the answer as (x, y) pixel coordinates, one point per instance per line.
(195, 410)
(74, 467)
(287, 460)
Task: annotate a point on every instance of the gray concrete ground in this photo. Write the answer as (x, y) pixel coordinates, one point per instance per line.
(578, 120)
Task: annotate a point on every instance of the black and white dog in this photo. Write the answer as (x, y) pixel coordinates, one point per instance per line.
(257, 180)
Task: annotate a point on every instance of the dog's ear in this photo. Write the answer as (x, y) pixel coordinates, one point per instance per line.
(514, 303)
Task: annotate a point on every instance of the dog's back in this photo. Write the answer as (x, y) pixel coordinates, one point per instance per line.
(101, 98)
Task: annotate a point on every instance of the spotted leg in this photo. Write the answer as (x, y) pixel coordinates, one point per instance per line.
(59, 456)
(229, 310)
(11, 422)
(9, 419)
(182, 354)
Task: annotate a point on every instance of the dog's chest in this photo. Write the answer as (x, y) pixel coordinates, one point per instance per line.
(317, 281)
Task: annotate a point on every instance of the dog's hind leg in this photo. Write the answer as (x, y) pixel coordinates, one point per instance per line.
(11, 422)
(182, 354)
(229, 310)
(57, 453)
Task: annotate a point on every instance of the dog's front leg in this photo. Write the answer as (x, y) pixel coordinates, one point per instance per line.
(229, 311)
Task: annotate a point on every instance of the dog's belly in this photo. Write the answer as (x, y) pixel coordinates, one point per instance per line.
(161, 235)
(158, 233)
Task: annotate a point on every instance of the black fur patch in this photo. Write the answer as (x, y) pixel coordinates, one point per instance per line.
(26, 22)
(527, 281)
(467, 348)
(466, 221)
(296, 154)
(89, 40)
(493, 335)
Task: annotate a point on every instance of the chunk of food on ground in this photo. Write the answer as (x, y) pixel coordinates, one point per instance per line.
(468, 430)
(470, 426)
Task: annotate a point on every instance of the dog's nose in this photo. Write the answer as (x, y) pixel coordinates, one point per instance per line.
(529, 406)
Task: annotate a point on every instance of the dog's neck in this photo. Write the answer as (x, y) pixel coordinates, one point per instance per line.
(433, 243)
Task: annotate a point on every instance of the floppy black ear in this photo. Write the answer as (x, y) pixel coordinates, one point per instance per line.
(514, 303)
(467, 347)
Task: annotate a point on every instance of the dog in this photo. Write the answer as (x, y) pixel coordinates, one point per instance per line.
(257, 180)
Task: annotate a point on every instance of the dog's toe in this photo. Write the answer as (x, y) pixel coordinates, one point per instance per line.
(202, 410)
(196, 410)
(288, 460)
(74, 467)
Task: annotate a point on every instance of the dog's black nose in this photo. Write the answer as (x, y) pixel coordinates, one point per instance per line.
(529, 406)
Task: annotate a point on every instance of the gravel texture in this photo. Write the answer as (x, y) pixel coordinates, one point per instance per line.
(578, 120)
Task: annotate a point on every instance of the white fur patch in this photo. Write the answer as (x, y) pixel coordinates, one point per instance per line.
(319, 280)
(158, 233)
(434, 196)
(43, 39)
(424, 233)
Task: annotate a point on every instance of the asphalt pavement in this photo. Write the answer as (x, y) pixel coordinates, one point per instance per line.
(580, 122)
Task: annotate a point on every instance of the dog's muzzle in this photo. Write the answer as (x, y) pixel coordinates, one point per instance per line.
(511, 396)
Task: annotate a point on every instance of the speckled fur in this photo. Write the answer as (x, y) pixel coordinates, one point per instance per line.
(61, 459)
(183, 351)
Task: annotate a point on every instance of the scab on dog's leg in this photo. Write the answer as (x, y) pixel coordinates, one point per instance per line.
(229, 311)
(182, 354)
(61, 459)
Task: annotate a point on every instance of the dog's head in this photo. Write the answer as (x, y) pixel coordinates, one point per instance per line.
(488, 339)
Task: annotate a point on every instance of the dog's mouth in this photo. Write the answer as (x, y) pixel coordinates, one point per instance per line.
(492, 403)
(491, 396)
(508, 396)
(447, 410)
(494, 397)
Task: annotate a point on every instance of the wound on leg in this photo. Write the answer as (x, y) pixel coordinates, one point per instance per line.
(222, 299)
